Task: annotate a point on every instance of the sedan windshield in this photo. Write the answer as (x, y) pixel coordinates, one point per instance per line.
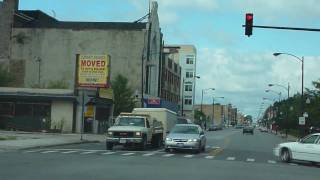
(185, 130)
(130, 121)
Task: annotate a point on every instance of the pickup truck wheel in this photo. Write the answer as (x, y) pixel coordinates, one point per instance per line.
(109, 146)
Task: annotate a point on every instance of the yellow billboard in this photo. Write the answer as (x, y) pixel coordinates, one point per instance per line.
(93, 70)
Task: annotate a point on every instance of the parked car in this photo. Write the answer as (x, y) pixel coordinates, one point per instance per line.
(186, 136)
(248, 129)
(215, 128)
(305, 149)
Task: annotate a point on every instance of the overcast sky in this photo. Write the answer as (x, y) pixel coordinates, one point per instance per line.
(237, 66)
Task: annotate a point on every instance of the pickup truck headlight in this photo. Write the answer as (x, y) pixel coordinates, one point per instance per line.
(137, 133)
(193, 140)
(110, 133)
(168, 139)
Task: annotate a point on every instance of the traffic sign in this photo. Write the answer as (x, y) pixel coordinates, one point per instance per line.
(302, 120)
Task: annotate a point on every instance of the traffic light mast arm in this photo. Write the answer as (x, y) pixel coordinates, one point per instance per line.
(287, 28)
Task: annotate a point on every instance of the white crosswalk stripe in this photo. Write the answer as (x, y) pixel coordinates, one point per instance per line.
(293, 164)
(32, 151)
(231, 158)
(148, 154)
(250, 160)
(209, 157)
(45, 152)
(127, 154)
(108, 153)
(168, 155)
(188, 156)
(88, 152)
(68, 152)
(272, 162)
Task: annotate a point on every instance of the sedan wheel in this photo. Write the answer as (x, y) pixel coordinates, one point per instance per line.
(285, 155)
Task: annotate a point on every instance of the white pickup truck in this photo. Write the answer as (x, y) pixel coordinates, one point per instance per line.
(141, 127)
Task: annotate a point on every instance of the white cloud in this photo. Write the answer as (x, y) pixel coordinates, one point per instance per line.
(272, 10)
(243, 78)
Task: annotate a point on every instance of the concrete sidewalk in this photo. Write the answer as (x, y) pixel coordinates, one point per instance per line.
(26, 140)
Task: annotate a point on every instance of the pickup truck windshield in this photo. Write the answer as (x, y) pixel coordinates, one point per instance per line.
(130, 121)
(185, 130)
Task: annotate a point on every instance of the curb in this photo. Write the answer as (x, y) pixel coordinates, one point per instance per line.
(62, 144)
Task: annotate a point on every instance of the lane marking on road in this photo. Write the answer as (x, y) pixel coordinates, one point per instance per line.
(108, 153)
(215, 152)
(231, 158)
(96, 150)
(88, 152)
(68, 152)
(272, 162)
(250, 160)
(32, 151)
(127, 154)
(188, 156)
(148, 154)
(209, 157)
(168, 155)
(45, 152)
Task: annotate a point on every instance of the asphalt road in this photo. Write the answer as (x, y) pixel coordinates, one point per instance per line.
(229, 155)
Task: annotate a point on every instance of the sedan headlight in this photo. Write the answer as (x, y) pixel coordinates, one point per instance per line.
(193, 140)
(110, 133)
(137, 133)
(168, 139)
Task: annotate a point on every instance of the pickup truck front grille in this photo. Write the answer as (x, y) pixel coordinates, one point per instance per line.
(123, 134)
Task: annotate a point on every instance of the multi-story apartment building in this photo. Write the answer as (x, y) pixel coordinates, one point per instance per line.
(186, 57)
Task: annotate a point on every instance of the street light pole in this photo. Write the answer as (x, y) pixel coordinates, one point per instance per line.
(302, 81)
(202, 97)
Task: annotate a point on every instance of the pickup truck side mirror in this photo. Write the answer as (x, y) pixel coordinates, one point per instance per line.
(201, 133)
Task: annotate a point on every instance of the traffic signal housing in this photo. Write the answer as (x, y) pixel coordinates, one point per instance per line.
(249, 24)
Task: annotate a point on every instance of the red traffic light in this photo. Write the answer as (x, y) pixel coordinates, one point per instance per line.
(249, 17)
(249, 24)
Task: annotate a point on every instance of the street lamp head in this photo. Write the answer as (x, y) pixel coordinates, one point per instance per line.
(212, 89)
(270, 85)
(267, 90)
(198, 77)
(277, 54)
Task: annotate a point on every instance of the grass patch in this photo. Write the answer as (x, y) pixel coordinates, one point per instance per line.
(3, 138)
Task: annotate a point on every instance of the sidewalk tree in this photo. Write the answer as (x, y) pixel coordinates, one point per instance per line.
(123, 95)
(199, 117)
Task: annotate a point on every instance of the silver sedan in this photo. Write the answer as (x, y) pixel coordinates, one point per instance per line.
(186, 136)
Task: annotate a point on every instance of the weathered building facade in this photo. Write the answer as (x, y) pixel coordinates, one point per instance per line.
(41, 50)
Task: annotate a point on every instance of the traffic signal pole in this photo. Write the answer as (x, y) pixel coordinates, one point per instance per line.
(286, 28)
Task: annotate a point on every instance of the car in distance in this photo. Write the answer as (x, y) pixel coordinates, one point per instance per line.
(305, 149)
(238, 126)
(263, 129)
(186, 136)
(248, 130)
(213, 128)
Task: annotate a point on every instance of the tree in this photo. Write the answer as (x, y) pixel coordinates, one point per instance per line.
(199, 117)
(5, 77)
(123, 95)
